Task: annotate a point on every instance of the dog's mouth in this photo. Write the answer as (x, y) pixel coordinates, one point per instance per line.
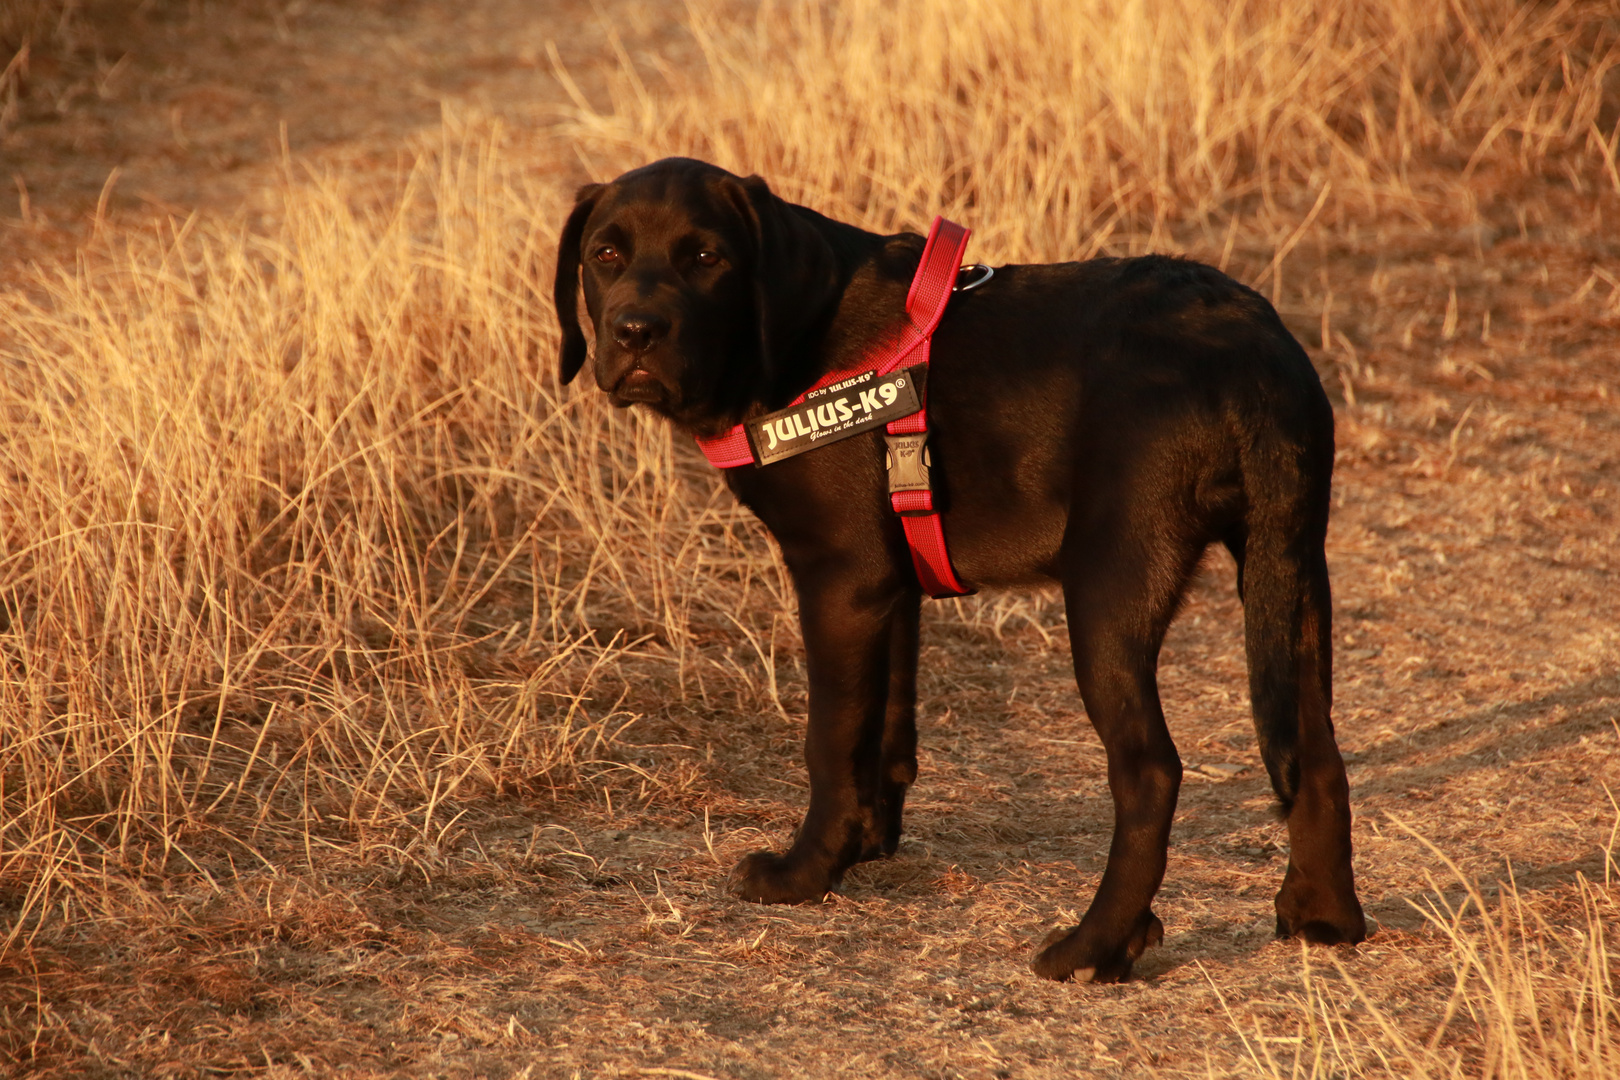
(638, 386)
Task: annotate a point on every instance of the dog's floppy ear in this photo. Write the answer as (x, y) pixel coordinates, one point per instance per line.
(795, 272)
(565, 290)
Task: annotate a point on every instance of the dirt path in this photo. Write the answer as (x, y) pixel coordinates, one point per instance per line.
(171, 107)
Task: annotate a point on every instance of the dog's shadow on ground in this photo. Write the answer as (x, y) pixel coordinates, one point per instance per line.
(1589, 706)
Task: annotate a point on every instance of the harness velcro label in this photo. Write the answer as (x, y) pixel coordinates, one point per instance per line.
(844, 409)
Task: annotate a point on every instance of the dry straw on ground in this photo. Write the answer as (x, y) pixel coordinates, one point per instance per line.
(324, 614)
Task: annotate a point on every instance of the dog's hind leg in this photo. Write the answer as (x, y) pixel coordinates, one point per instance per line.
(897, 769)
(1236, 541)
(1123, 578)
(1288, 613)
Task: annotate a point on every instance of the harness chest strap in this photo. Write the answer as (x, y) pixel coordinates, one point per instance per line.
(910, 488)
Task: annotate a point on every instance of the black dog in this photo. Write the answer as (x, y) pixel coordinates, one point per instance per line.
(1097, 424)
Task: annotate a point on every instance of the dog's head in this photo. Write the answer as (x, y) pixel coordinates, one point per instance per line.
(701, 288)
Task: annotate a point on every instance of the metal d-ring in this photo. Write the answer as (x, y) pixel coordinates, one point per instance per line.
(984, 274)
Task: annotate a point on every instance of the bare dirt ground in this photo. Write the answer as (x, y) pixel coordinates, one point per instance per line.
(171, 107)
(1477, 696)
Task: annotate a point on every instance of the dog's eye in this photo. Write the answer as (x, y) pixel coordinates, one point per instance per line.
(708, 258)
(607, 254)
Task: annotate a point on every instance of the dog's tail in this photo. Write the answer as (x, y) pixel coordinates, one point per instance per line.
(1283, 579)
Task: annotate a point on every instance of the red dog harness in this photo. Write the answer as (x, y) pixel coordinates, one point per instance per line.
(911, 491)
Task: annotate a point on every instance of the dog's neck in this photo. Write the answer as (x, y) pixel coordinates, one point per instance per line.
(872, 304)
(869, 307)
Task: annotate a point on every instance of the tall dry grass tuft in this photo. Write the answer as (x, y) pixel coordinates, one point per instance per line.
(298, 541)
(1533, 995)
(1059, 126)
(23, 23)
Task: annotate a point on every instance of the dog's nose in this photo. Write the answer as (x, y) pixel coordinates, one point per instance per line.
(639, 331)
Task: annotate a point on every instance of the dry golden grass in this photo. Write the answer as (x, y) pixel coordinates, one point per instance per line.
(297, 527)
(1065, 127)
(1534, 996)
(22, 22)
(324, 614)
(26, 21)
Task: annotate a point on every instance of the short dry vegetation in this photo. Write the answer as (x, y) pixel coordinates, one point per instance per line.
(368, 702)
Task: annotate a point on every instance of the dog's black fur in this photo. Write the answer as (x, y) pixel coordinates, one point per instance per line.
(1097, 424)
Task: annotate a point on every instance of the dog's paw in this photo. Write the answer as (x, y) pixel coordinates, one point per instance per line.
(880, 838)
(1077, 954)
(1319, 916)
(881, 832)
(768, 878)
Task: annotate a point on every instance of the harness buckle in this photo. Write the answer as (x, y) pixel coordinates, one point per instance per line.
(908, 461)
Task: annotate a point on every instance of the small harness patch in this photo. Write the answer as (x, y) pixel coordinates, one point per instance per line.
(847, 408)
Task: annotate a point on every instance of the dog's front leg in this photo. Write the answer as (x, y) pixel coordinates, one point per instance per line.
(898, 767)
(849, 632)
